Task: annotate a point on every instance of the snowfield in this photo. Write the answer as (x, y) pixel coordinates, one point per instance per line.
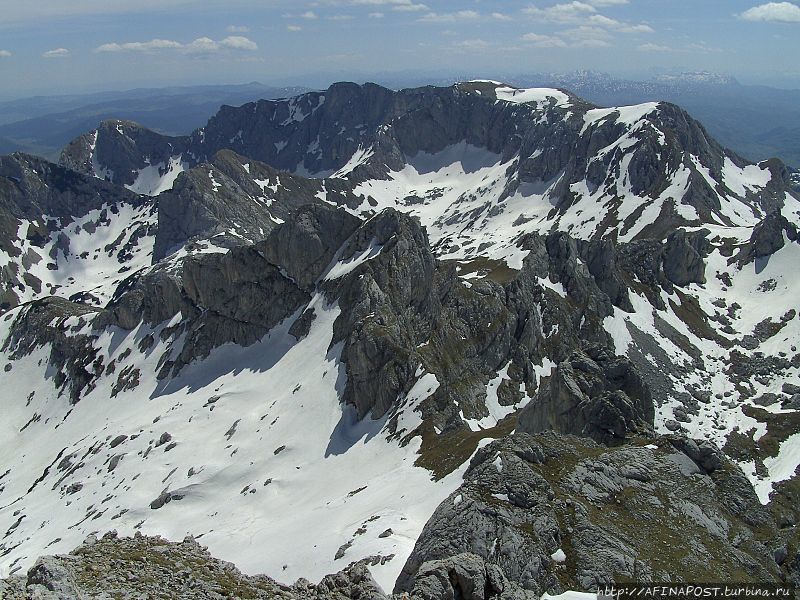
(264, 456)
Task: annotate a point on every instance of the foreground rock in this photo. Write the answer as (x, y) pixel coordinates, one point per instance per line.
(150, 567)
(593, 394)
(549, 513)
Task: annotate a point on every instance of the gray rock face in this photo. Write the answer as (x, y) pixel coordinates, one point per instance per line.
(319, 132)
(468, 577)
(50, 197)
(43, 323)
(238, 296)
(386, 306)
(51, 579)
(31, 187)
(768, 237)
(592, 394)
(221, 200)
(683, 257)
(120, 149)
(649, 513)
(235, 297)
(305, 245)
(395, 299)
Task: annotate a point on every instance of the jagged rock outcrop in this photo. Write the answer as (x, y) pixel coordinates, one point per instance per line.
(543, 231)
(555, 137)
(593, 394)
(395, 298)
(63, 326)
(236, 297)
(683, 257)
(232, 199)
(768, 237)
(552, 512)
(31, 187)
(38, 202)
(305, 246)
(387, 307)
(468, 577)
(535, 514)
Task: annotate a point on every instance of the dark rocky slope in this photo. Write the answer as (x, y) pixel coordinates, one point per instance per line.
(38, 202)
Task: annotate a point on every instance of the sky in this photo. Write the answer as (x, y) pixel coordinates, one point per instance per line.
(60, 46)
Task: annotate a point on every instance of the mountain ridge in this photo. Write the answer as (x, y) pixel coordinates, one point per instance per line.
(335, 351)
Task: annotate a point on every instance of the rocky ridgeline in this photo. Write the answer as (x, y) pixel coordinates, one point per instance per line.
(528, 498)
(556, 138)
(402, 311)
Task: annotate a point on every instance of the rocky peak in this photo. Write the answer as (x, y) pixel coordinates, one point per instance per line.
(120, 150)
(592, 394)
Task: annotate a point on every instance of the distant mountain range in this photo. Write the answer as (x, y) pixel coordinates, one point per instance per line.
(44, 124)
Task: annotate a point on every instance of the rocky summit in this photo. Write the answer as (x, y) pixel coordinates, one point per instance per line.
(465, 343)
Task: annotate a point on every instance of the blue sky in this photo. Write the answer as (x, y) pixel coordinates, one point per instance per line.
(56, 46)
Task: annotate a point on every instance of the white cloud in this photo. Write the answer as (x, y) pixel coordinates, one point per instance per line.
(778, 12)
(584, 13)
(294, 28)
(703, 47)
(655, 48)
(461, 15)
(607, 2)
(57, 53)
(631, 28)
(591, 43)
(238, 42)
(308, 15)
(397, 5)
(376, 15)
(498, 16)
(692, 48)
(410, 7)
(150, 46)
(584, 36)
(4, 53)
(340, 18)
(587, 32)
(476, 44)
(200, 45)
(603, 21)
(544, 41)
(237, 29)
(561, 13)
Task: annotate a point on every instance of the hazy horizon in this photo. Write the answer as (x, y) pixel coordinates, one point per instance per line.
(49, 48)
